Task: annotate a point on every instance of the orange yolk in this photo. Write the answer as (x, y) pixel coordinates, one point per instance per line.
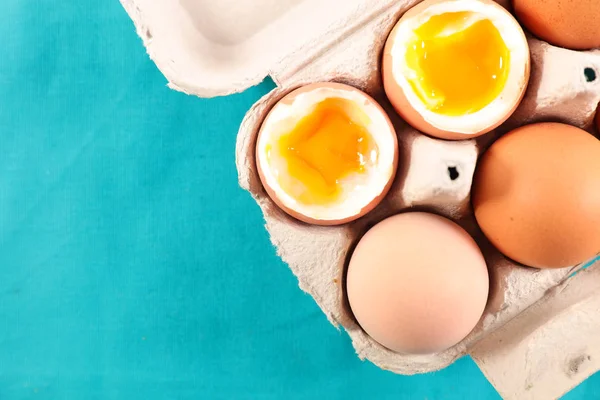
(326, 146)
(461, 66)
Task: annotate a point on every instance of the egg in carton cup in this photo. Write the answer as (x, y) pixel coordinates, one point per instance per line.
(537, 336)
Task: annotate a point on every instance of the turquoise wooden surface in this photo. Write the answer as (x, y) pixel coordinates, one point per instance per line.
(132, 266)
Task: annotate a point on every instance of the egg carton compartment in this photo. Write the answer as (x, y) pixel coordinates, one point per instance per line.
(206, 58)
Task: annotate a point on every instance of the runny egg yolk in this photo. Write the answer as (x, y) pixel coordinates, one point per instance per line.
(460, 63)
(326, 146)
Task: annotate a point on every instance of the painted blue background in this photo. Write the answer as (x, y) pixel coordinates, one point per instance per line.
(131, 264)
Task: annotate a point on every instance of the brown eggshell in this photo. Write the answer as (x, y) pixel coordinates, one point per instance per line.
(417, 283)
(397, 97)
(573, 24)
(536, 195)
(288, 99)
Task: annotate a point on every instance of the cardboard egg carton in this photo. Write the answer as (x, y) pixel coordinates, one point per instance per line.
(538, 336)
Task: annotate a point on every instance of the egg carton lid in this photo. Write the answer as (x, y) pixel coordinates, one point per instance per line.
(215, 48)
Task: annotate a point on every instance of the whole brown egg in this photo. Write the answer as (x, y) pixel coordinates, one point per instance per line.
(417, 283)
(536, 195)
(574, 24)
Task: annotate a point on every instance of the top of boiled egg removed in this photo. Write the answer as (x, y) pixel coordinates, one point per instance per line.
(456, 68)
(327, 153)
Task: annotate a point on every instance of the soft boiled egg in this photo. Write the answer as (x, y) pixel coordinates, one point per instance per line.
(456, 69)
(327, 153)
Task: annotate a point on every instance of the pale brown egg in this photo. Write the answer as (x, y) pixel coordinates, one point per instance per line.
(417, 283)
(327, 153)
(456, 69)
(574, 24)
(536, 195)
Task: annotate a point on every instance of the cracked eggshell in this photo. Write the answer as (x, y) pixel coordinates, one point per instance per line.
(411, 108)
